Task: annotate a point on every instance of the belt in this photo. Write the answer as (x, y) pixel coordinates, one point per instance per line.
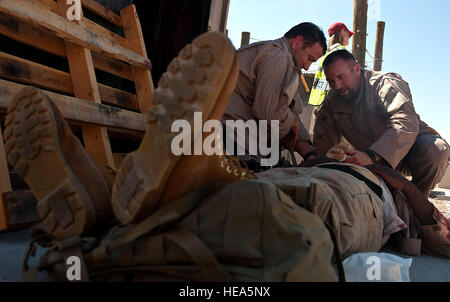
(346, 169)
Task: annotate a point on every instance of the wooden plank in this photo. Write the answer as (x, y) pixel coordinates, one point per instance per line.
(20, 208)
(25, 71)
(107, 14)
(94, 27)
(37, 15)
(85, 87)
(5, 182)
(75, 109)
(98, 29)
(49, 4)
(38, 37)
(113, 66)
(43, 39)
(28, 72)
(118, 97)
(143, 79)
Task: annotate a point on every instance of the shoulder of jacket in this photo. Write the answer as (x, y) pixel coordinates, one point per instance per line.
(271, 48)
(375, 77)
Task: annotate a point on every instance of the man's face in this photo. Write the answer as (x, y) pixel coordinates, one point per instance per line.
(306, 55)
(344, 78)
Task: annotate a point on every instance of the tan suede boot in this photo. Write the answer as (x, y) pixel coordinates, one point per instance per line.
(201, 78)
(436, 237)
(73, 194)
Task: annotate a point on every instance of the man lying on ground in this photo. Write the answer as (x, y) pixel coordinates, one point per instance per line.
(76, 196)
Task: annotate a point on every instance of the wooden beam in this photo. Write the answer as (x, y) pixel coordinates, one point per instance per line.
(43, 39)
(378, 57)
(85, 87)
(98, 29)
(37, 15)
(113, 66)
(83, 111)
(143, 79)
(117, 97)
(94, 27)
(360, 30)
(28, 72)
(107, 14)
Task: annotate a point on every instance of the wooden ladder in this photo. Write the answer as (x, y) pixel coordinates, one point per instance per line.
(44, 24)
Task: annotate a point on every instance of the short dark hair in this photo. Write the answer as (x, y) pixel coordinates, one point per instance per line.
(337, 55)
(310, 32)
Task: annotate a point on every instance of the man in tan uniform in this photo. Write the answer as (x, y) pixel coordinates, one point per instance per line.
(268, 81)
(375, 113)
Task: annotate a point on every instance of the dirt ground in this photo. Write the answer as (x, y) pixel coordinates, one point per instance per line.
(442, 202)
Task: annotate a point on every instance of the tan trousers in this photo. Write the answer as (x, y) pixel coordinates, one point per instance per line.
(353, 210)
(426, 162)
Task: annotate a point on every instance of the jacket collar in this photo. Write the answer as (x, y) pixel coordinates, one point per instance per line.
(283, 42)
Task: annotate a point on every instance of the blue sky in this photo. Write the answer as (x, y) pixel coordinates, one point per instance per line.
(416, 40)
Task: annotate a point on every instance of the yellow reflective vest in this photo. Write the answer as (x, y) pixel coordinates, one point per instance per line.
(320, 85)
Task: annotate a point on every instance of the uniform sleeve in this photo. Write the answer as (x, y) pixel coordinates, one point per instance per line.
(271, 103)
(326, 134)
(403, 126)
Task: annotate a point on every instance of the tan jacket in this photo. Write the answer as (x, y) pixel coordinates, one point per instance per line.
(381, 117)
(267, 86)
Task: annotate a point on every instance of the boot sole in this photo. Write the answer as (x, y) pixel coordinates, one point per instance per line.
(33, 149)
(193, 82)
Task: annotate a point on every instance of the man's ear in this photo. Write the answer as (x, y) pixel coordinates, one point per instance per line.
(298, 42)
(357, 69)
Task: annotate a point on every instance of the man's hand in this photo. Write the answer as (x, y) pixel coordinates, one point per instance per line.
(290, 140)
(397, 181)
(339, 152)
(358, 158)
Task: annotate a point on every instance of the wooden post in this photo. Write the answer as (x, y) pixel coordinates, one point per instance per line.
(379, 46)
(360, 29)
(143, 79)
(85, 87)
(245, 40)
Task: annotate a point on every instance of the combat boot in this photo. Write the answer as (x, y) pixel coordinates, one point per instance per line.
(72, 192)
(200, 79)
(436, 238)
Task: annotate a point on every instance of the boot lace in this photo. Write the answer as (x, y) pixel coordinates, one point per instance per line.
(233, 166)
